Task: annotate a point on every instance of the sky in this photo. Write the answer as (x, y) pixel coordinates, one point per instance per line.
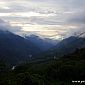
(46, 18)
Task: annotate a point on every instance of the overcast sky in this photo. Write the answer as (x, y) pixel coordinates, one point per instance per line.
(43, 17)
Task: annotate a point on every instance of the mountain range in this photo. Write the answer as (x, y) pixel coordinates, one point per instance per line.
(15, 49)
(43, 43)
(66, 46)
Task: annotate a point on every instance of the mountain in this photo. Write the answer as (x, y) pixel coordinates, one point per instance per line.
(70, 44)
(15, 49)
(66, 46)
(43, 43)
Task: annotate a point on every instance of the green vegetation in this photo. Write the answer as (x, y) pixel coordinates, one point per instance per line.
(54, 72)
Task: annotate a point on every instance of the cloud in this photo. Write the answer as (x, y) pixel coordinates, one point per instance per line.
(78, 18)
(41, 15)
(6, 26)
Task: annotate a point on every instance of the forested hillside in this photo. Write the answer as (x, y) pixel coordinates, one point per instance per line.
(54, 72)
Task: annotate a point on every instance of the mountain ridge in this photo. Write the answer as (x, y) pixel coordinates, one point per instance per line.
(43, 43)
(15, 48)
(66, 46)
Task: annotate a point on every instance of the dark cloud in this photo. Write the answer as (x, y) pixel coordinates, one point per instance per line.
(6, 26)
(78, 18)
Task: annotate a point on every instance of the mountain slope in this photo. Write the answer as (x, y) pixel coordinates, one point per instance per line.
(70, 44)
(66, 46)
(44, 44)
(14, 49)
